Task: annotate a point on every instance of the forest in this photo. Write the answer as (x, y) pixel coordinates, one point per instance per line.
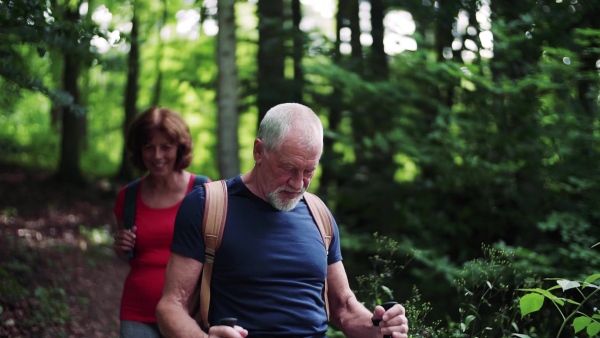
(462, 137)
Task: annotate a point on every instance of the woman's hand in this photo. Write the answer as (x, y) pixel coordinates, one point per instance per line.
(124, 241)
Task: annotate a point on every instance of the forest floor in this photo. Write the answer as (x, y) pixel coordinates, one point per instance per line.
(58, 274)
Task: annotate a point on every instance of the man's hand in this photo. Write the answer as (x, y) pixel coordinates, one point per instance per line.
(393, 322)
(223, 331)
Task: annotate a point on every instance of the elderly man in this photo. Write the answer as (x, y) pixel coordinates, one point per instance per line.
(271, 267)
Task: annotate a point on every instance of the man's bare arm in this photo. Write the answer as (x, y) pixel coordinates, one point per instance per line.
(352, 317)
(172, 311)
(346, 312)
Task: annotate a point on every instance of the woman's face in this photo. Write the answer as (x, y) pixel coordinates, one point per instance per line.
(159, 155)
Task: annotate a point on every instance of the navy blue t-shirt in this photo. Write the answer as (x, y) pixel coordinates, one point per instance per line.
(270, 270)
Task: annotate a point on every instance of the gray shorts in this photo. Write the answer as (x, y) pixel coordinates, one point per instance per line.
(131, 329)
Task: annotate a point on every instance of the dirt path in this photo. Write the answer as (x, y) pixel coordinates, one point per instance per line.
(58, 275)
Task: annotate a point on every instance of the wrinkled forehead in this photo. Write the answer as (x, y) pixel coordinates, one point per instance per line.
(303, 141)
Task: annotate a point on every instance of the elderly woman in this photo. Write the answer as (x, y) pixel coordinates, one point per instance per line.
(159, 144)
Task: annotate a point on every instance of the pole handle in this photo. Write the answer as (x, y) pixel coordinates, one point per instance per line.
(386, 306)
(229, 321)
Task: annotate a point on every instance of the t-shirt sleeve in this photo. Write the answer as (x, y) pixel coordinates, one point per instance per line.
(120, 203)
(187, 236)
(204, 179)
(335, 252)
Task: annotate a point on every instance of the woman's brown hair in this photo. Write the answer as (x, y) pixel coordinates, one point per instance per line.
(154, 119)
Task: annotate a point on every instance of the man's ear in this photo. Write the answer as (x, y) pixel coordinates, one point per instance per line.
(258, 151)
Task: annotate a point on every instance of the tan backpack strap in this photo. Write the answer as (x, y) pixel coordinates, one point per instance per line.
(321, 215)
(213, 224)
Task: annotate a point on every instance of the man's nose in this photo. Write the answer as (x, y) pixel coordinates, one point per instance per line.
(296, 182)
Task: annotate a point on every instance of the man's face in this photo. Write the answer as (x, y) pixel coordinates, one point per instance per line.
(286, 172)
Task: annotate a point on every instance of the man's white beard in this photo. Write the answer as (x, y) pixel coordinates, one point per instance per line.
(283, 204)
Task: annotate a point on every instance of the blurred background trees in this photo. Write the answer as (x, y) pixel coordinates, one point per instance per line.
(449, 124)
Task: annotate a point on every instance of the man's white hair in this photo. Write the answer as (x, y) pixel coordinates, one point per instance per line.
(280, 120)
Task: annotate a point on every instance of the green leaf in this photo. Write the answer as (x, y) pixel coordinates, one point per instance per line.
(592, 278)
(469, 319)
(555, 287)
(514, 325)
(387, 291)
(593, 329)
(531, 302)
(547, 294)
(567, 284)
(581, 323)
(520, 335)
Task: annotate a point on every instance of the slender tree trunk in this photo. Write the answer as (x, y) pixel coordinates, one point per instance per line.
(587, 89)
(379, 63)
(56, 70)
(356, 62)
(271, 56)
(126, 171)
(159, 56)
(328, 180)
(69, 169)
(444, 19)
(228, 147)
(73, 121)
(298, 53)
(441, 92)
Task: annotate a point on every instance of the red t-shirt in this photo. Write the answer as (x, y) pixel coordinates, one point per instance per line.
(144, 283)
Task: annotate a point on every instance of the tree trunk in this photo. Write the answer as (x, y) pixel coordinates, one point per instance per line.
(356, 63)
(379, 64)
(298, 53)
(159, 55)
(126, 171)
(329, 161)
(228, 147)
(271, 56)
(69, 170)
(73, 118)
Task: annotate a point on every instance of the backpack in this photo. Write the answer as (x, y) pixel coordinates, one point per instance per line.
(130, 200)
(213, 224)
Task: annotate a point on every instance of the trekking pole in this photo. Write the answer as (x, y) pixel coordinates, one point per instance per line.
(386, 306)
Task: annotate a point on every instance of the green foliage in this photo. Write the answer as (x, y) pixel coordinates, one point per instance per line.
(50, 306)
(487, 304)
(490, 305)
(31, 30)
(572, 306)
(574, 230)
(10, 289)
(98, 243)
(100, 235)
(372, 289)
